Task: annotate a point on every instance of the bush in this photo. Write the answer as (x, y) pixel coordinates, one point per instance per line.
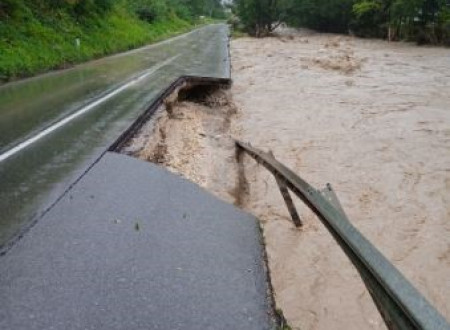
(150, 10)
(368, 19)
(90, 8)
(260, 17)
(13, 9)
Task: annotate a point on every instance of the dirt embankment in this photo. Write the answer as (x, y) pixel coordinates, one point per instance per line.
(191, 135)
(367, 116)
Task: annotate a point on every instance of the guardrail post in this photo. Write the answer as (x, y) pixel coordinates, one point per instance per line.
(289, 203)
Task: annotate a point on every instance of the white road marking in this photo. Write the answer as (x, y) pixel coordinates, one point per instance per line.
(83, 110)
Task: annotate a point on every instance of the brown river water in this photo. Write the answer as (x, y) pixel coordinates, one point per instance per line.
(370, 117)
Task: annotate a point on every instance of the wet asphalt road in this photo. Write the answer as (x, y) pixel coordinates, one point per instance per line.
(193, 262)
(53, 127)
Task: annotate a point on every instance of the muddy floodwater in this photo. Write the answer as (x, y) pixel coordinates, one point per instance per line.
(370, 117)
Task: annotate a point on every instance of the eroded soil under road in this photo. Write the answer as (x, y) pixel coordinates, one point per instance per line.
(367, 116)
(191, 135)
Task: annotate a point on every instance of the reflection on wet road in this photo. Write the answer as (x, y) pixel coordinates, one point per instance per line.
(54, 126)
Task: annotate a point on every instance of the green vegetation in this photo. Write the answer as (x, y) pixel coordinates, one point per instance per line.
(39, 35)
(282, 324)
(424, 21)
(236, 34)
(260, 17)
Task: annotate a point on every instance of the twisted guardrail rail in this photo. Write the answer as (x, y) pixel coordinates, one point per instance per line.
(399, 303)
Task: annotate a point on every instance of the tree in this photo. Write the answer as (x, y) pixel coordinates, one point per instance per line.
(322, 15)
(261, 17)
(149, 10)
(420, 20)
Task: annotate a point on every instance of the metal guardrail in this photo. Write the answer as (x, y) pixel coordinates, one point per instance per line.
(399, 303)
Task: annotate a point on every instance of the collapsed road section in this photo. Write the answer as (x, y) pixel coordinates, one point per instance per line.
(193, 120)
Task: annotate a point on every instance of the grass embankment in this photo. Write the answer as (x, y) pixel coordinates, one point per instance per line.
(32, 45)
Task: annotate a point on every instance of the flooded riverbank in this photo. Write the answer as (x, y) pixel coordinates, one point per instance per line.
(367, 116)
(371, 118)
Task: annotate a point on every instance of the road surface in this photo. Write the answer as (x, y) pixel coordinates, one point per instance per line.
(54, 126)
(133, 246)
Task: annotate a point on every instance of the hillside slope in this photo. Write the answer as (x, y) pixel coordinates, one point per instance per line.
(37, 36)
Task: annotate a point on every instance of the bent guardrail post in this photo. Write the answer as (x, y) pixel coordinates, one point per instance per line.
(287, 198)
(399, 303)
(289, 203)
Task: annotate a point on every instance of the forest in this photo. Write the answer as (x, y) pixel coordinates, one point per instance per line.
(422, 21)
(40, 35)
